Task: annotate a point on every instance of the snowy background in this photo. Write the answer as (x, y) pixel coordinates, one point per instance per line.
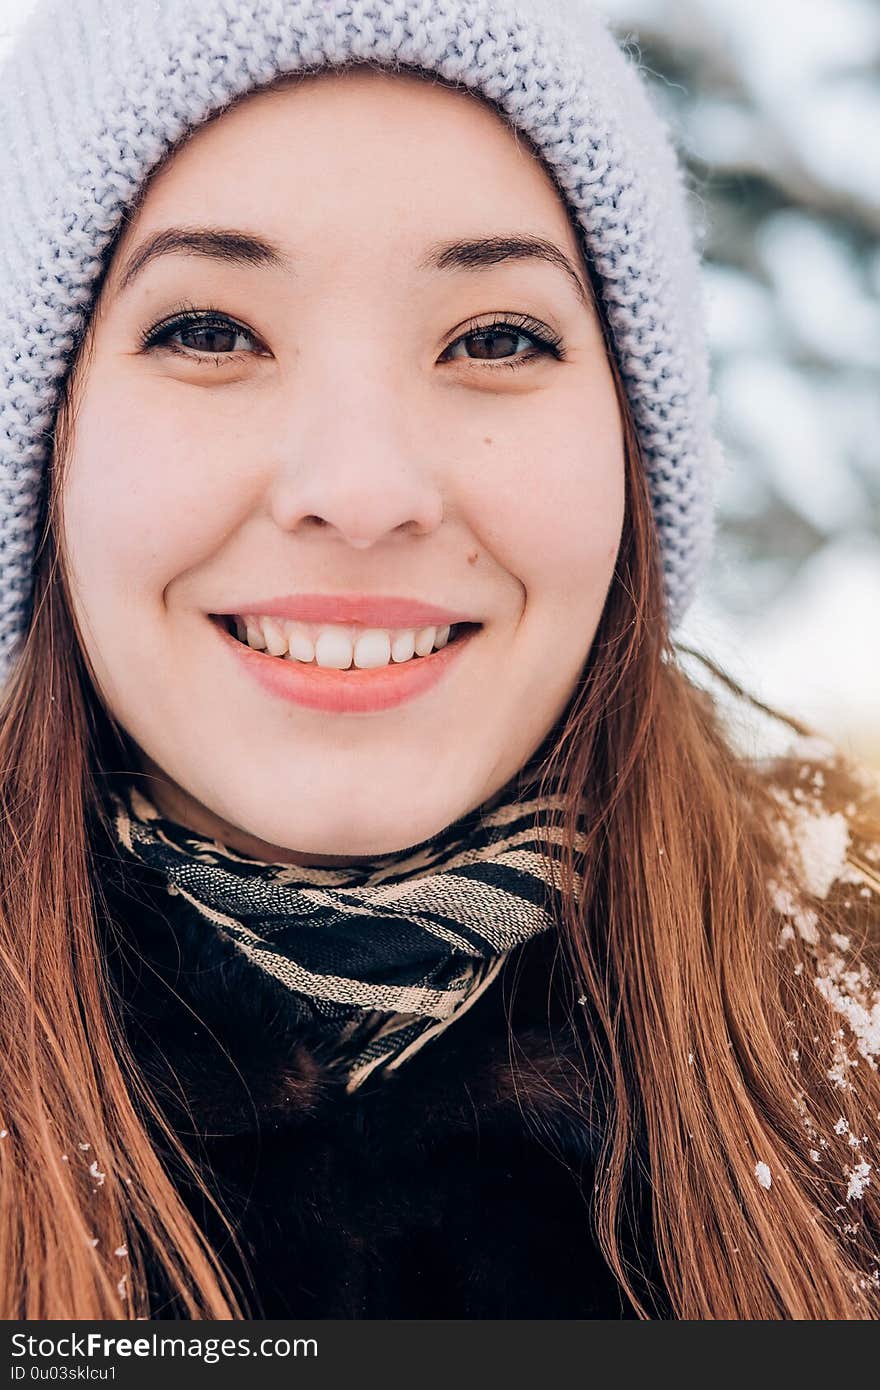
(776, 108)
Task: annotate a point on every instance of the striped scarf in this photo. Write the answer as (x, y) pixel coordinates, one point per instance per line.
(379, 958)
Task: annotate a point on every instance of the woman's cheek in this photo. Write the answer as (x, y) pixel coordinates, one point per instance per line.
(139, 498)
(553, 515)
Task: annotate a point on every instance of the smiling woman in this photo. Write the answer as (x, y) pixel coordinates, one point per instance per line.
(337, 391)
(385, 915)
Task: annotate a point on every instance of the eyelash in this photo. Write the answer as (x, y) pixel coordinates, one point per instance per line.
(187, 315)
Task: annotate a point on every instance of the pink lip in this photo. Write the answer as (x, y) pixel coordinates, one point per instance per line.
(373, 610)
(345, 692)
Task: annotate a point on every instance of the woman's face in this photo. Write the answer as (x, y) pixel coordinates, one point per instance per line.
(328, 421)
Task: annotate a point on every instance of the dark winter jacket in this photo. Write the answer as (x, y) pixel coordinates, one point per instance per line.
(451, 1188)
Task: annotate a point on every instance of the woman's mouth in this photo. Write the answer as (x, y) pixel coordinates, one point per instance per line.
(342, 667)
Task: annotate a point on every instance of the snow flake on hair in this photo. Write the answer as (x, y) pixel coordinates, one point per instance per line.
(854, 996)
(804, 918)
(841, 1064)
(763, 1175)
(859, 1179)
(817, 844)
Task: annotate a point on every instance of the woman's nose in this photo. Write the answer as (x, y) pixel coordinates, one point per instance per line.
(355, 471)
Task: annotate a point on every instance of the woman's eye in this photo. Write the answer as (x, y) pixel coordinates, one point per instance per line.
(194, 334)
(497, 344)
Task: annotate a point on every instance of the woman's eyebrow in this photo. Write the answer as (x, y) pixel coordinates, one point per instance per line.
(217, 243)
(481, 253)
(245, 248)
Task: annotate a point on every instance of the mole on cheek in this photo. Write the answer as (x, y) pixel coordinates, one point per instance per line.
(488, 439)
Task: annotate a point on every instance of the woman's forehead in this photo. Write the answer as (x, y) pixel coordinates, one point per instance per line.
(392, 150)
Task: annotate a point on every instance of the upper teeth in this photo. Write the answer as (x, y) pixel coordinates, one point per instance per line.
(337, 645)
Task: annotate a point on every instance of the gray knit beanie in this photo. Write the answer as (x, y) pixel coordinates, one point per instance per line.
(95, 92)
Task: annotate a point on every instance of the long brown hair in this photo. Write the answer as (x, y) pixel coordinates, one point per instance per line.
(718, 1001)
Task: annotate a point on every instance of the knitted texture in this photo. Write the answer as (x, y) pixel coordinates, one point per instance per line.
(95, 92)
